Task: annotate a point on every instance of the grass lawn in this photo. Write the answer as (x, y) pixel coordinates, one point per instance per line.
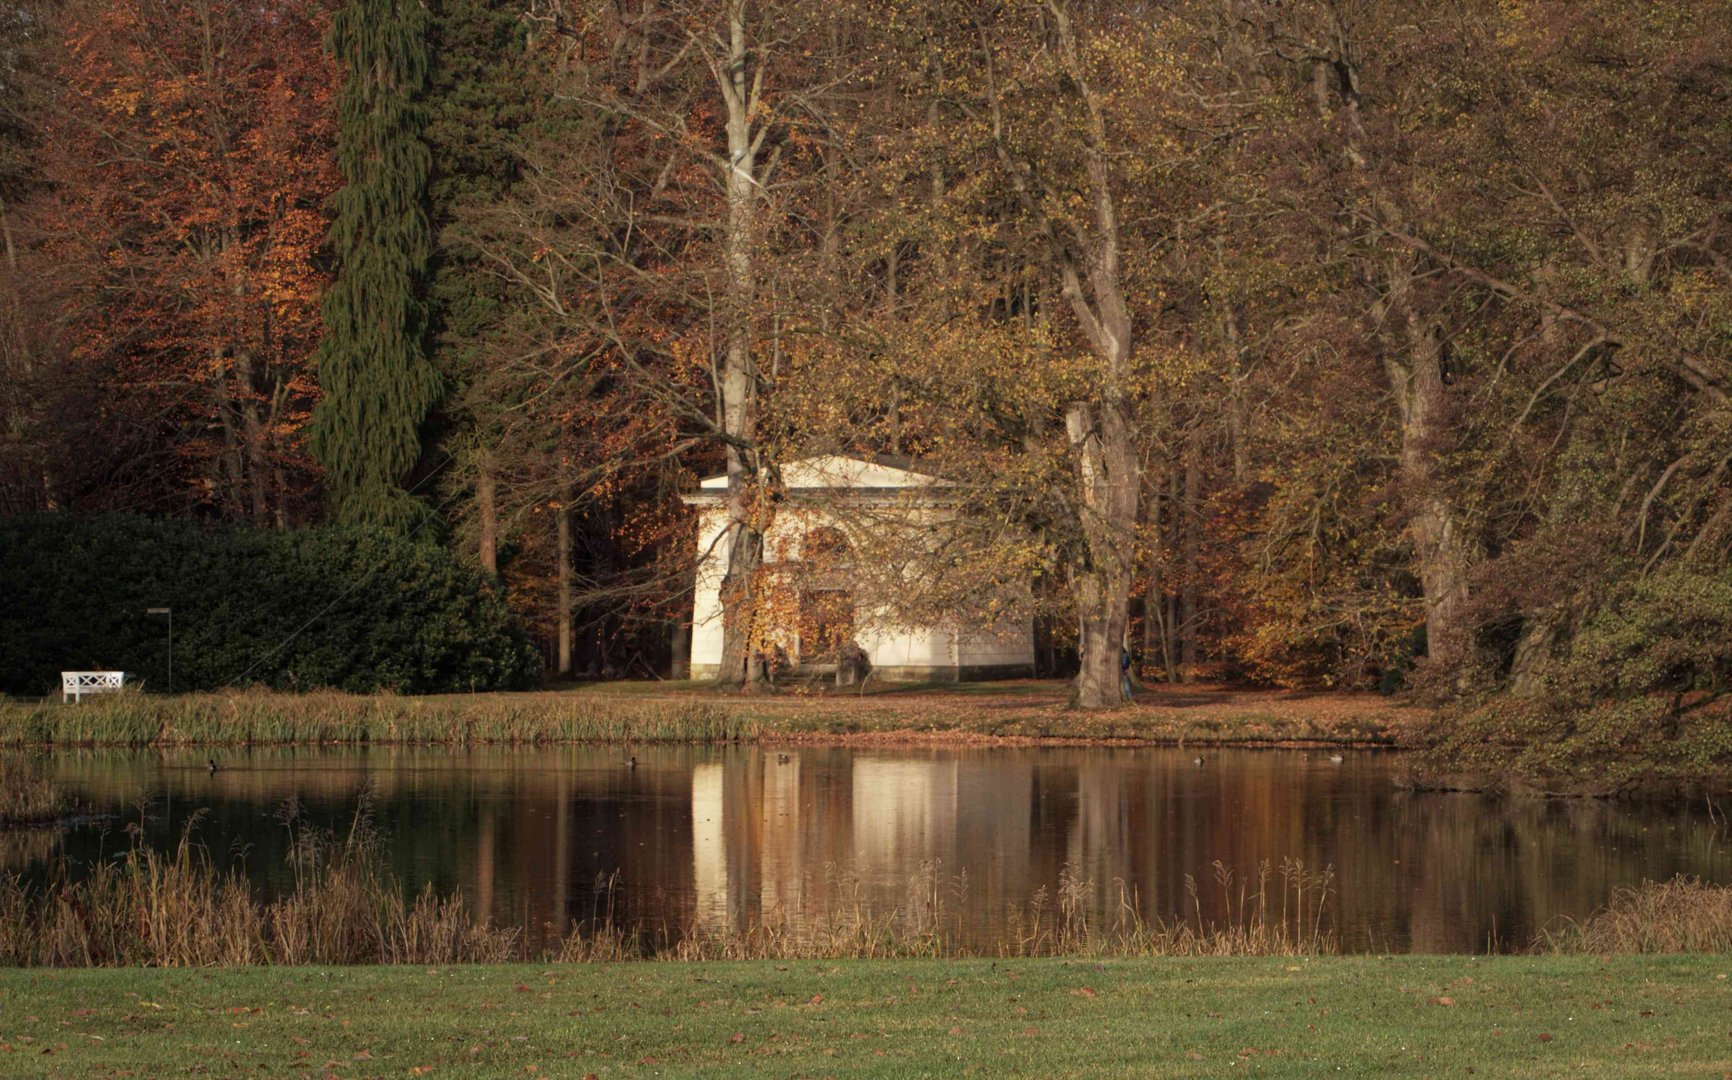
(1627, 1016)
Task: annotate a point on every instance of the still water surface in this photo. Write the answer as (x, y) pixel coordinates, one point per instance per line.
(719, 837)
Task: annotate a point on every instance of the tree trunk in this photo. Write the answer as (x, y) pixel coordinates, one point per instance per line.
(487, 510)
(740, 662)
(1154, 600)
(254, 438)
(739, 383)
(681, 668)
(1542, 631)
(1538, 639)
(1102, 444)
(563, 573)
(1238, 419)
(231, 463)
(1442, 553)
(1100, 440)
(1193, 533)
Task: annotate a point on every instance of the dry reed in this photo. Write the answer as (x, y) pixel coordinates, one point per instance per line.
(1282, 914)
(179, 910)
(1682, 915)
(259, 717)
(153, 909)
(27, 797)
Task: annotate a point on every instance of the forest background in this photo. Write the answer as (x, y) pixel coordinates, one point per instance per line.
(1359, 343)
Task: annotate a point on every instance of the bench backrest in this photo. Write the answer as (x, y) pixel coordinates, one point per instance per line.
(78, 683)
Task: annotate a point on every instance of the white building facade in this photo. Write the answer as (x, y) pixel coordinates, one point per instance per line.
(814, 610)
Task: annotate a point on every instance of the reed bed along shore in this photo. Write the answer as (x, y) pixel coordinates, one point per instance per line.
(1683, 915)
(1016, 712)
(178, 909)
(263, 718)
(151, 908)
(1280, 911)
(27, 797)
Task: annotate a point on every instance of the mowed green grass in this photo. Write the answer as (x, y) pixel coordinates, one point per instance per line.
(1350, 1016)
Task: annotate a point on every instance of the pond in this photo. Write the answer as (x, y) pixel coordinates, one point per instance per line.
(718, 838)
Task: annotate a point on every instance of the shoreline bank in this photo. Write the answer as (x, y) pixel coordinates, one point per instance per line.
(1012, 714)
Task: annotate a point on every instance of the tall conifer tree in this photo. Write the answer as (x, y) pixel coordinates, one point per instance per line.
(378, 381)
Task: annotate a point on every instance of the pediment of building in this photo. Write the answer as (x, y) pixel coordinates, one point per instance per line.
(835, 472)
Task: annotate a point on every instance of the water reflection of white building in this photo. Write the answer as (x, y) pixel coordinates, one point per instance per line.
(904, 812)
(766, 843)
(747, 849)
(710, 848)
(781, 878)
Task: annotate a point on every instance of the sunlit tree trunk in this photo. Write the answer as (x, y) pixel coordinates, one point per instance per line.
(741, 85)
(1100, 432)
(1413, 361)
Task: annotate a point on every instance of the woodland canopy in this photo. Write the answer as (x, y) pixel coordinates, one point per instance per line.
(1361, 343)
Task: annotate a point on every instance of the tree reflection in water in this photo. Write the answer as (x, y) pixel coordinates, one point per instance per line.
(725, 838)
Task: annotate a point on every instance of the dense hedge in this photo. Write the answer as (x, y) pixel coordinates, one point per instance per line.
(343, 608)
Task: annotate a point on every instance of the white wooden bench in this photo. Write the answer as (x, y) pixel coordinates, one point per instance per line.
(75, 684)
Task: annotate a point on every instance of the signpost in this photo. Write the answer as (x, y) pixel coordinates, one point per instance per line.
(170, 613)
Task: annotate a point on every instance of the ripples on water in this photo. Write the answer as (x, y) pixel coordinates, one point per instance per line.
(722, 838)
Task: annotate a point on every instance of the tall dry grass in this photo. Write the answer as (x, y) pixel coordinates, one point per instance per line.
(27, 797)
(1682, 915)
(1280, 911)
(177, 909)
(260, 717)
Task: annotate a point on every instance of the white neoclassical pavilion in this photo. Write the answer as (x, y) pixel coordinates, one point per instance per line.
(828, 501)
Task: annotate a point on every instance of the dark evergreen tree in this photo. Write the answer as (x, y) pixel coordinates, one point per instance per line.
(379, 384)
(478, 98)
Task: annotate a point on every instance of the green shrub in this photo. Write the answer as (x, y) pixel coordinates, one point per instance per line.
(345, 608)
(1637, 698)
(1669, 633)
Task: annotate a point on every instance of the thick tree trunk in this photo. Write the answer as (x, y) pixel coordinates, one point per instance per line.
(1538, 639)
(1542, 632)
(740, 90)
(1101, 439)
(1101, 447)
(1441, 552)
(745, 547)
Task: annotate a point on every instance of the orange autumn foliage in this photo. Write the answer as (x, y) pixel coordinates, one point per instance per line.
(190, 157)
